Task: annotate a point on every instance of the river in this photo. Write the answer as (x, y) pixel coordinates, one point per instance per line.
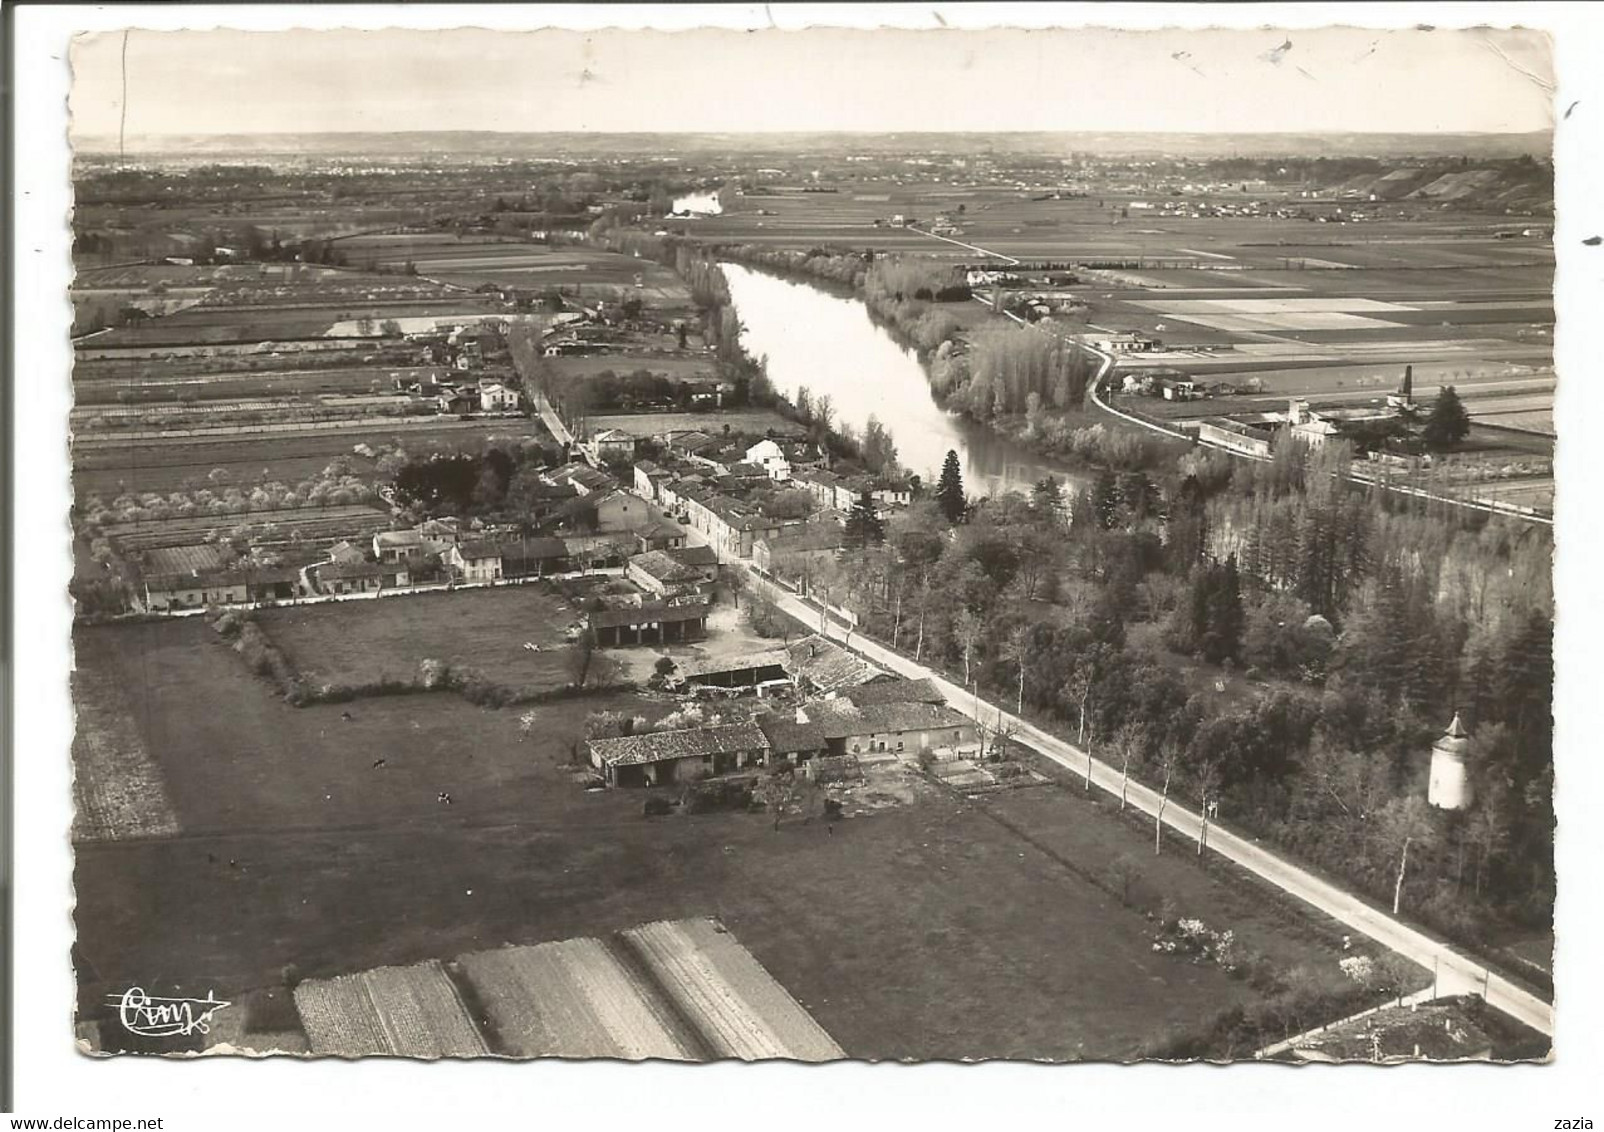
(831, 345)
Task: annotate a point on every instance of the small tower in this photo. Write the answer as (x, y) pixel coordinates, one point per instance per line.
(1449, 787)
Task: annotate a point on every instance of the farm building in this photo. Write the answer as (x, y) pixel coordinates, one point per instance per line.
(476, 561)
(660, 757)
(818, 666)
(792, 737)
(885, 727)
(658, 574)
(347, 551)
(1125, 343)
(361, 577)
(758, 670)
(533, 557)
(583, 478)
(653, 624)
(1225, 433)
(899, 691)
(165, 592)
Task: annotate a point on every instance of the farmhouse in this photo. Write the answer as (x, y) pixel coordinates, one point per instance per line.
(659, 574)
(583, 478)
(475, 561)
(361, 577)
(1125, 343)
(660, 757)
(792, 738)
(702, 559)
(818, 666)
(889, 727)
(653, 624)
(619, 511)
(899, 691)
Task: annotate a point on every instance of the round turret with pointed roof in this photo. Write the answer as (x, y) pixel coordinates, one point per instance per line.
(1449, 787)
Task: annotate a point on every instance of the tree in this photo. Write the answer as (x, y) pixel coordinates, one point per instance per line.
(580, 655)
(1106, 500)
(1406, 822)
(950, 489)
(1169, 755)
(864, 525)
(1447, 423)
(1128, 743)
(970, 630)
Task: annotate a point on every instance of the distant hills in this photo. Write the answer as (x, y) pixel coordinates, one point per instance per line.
(485, 144)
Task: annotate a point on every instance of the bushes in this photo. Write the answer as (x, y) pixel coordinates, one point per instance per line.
(716, 794)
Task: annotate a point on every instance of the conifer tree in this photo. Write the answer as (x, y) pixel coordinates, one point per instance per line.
(950, 489)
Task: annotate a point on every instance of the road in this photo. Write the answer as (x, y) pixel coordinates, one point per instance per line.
(1454, 972)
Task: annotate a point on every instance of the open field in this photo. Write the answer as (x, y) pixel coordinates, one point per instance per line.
(282, 809)
(676, 990)
(175, 462)
(362, 643)
(470, 262)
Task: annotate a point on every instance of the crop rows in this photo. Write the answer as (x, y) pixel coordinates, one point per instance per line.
(571, 999)
(399, 1011)
(736, 1005)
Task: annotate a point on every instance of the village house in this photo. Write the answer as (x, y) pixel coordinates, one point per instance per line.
(361, 577)
(347, 551)
(619, 511)
(651, 624)
(649, 479)
(769, 456)
(657, 758)
(400, 546)
(659, 575)
(497, 398)
(661, 536)
(612, 445)
(582, 478)
(795, 551)
(478, 560)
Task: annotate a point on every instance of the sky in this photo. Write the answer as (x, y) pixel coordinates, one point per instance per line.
(707, 80)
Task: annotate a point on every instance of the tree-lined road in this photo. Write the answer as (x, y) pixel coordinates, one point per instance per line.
(1454, 972)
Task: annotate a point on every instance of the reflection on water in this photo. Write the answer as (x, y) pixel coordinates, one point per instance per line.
(831, 345)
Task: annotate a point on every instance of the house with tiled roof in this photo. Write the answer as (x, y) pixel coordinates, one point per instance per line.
(656, 758)
(475, 560)
(819, 666)
(660, 575)
(361, 577)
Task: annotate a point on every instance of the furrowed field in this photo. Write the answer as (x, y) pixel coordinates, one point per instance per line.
(951, 927)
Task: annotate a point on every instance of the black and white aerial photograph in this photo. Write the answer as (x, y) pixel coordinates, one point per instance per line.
(817, 544)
